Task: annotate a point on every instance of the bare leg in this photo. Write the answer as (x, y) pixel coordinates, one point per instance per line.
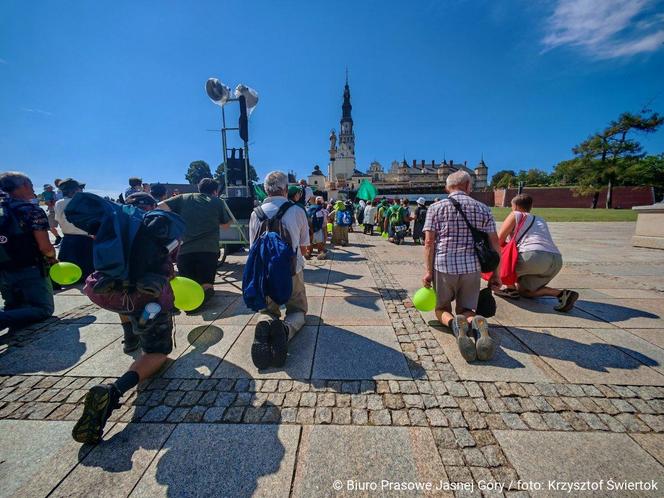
(542, 291)
(148, 365)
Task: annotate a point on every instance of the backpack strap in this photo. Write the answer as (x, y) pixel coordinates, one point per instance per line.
(532, 222)
(260, 214)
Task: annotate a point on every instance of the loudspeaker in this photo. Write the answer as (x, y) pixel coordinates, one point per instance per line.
(235, 169)
(241, 207)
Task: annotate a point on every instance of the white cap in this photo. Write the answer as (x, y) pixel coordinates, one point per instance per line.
(422, 201)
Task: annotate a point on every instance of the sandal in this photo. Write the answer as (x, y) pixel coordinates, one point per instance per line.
(508, 292)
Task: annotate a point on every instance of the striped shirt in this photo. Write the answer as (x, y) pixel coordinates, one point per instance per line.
(454, 249)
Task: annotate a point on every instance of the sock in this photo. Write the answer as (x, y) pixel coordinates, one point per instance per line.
(126, 382)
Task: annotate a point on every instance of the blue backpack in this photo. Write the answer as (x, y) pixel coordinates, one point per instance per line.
(116, 228)
(270, 264)
(344, 218)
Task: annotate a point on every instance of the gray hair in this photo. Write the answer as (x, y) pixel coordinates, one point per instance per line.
(11, 180)
(457, 179)
(276, 182)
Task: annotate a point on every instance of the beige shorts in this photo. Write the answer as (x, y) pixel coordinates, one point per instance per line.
(535, 269)
(463, 289)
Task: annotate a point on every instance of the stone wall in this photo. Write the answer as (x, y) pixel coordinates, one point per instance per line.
(565, 197)
(487, 197)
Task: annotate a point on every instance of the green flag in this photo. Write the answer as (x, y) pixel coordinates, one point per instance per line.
(260, 193)
(367, 191)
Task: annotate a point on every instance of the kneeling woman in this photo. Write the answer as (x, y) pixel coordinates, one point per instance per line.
(76, 245)
(539, 258)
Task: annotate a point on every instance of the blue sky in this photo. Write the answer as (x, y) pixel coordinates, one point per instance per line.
(100, 91)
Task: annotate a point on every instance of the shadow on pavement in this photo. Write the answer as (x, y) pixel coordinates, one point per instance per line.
(56, 349)
(201, 459)
(598, 356)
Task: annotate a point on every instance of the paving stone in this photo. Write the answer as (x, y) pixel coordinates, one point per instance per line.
(157, 414)
(259, 458)
(556, 422)
(575, 421)
(612, 423)
(417, 417)
(655, 422)
(234, 414)
(178, 414)
(357, 352)
(308, 399)
(593, 421)
(577, 456)
(451, 457)
(493, 455)
(323, 415)
(341, 416)
(513, 421)
(359, 416)
(400, 417)
(436, 417)
(408, 453)
(632, 423)
(379, 417)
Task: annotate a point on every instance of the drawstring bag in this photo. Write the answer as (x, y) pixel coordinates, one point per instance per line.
(509, 255)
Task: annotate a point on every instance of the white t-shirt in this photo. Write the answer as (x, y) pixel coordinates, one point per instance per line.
(295, 221)
(537, 238)
(66, 227)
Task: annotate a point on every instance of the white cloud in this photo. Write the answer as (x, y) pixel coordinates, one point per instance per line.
(36, 111)
(606, 29)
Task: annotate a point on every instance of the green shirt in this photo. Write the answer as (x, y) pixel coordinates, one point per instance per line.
(202, 215)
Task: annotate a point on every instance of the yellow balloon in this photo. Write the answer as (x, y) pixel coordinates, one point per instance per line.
(425, 299)
(189, 295)
(65, 273)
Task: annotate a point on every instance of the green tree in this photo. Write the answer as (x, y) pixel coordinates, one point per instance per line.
(197, 171)
(647, 171)
(567, 172)
(498, 178)
(602, 156)
(534, 177)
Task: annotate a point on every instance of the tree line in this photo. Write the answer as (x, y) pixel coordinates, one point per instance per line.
(610, 157)
(200, 169)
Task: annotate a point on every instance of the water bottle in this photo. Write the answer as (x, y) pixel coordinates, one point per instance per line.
(150, 311)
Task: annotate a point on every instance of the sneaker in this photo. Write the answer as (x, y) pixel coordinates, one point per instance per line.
(58, 239)
(484, 344)
(466, 343)
(100, 401)
(131, 341)
(261, 353)
(279, 342)
(566, 300)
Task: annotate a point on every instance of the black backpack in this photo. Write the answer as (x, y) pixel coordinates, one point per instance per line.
(18, 247)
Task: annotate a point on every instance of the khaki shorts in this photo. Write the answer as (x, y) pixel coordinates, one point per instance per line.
(535, 269)
(463, 289)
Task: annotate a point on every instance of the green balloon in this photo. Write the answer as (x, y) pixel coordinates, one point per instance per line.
(425, 299)
(65, 273)
(189, 295)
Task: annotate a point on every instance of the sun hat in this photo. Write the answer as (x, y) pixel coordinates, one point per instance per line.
(421, 201)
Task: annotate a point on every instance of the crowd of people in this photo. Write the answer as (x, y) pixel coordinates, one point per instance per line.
(183, 229)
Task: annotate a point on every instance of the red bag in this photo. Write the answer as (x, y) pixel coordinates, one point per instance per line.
(509, 255)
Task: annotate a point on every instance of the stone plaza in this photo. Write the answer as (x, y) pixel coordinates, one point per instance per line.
(374, 399)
